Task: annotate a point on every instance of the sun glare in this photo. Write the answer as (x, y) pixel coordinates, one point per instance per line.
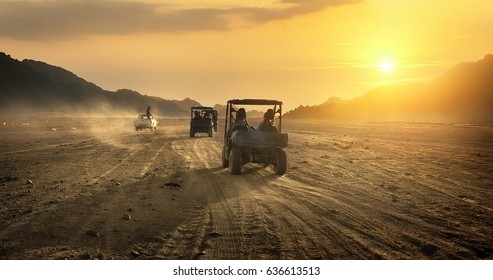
(386, 66)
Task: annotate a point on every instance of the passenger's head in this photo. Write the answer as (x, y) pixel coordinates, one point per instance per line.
(241, 113)
(269, 115)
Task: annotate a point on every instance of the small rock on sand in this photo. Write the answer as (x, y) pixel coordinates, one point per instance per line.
(134, 253)
(172, 185)
(92, 233)
(85, 256)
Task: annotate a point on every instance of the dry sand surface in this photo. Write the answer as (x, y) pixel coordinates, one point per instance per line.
(96, 189)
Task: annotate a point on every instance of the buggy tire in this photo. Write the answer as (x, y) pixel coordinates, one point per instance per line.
(210, 131)
(225, 158)
(235, 161)
(281, 162)
(192, 132)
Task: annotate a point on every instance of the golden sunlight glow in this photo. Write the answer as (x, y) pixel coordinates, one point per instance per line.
(342, 48)
(386, 66)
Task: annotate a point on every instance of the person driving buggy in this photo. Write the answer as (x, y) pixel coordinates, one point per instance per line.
(196, 115)
(240, 120)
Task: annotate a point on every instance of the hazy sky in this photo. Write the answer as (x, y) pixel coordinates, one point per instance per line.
(298, 51)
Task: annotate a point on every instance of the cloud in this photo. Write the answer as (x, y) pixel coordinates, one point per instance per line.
(53, 20)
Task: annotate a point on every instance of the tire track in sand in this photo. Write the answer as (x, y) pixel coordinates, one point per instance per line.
(238, 228)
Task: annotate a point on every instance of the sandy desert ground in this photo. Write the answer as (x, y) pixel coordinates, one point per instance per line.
(89, 188)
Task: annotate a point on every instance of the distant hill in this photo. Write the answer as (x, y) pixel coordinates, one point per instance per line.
(186, 103)
(34, 86)
(464, 94)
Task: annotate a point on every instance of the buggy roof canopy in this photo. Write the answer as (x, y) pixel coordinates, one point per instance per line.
(255, 102)
(201, 108)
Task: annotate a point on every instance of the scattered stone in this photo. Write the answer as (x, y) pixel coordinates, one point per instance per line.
(134, 253)
(214, 234)
(30, 182)
(127, 217)
(429, 250)
(172, 185)
(85, 256)
(92, 233)
(53, 129)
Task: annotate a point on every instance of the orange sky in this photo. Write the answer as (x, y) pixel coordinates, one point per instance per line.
(298, 51)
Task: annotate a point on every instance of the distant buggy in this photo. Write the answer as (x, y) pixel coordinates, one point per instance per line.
(143, 122)
(201, 120)
(248, 144)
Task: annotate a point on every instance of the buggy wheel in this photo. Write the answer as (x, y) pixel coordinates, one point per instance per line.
(281, 162)
(136, 128)
(235, 161)
(192, 132)
(210, 131)
(225, 157)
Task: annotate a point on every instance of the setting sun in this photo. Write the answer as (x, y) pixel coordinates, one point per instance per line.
(386, 66)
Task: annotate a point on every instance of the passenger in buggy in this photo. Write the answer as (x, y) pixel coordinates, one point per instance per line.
(267, 124)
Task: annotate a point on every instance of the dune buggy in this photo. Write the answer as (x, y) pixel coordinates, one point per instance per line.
(143, 122)
(244, 144)
(201, 120)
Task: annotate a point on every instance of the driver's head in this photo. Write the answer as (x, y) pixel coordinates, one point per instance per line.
(241, 113)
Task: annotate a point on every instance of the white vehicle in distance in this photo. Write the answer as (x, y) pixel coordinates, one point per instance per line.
(143, 122)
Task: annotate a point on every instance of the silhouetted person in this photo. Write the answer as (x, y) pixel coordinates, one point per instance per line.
(214, 120)
(240, 121)
(196, 115)
(148, 112)
(267, 123)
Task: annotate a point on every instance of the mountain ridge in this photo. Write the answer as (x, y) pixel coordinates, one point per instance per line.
(462, 94)
(29, 86)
